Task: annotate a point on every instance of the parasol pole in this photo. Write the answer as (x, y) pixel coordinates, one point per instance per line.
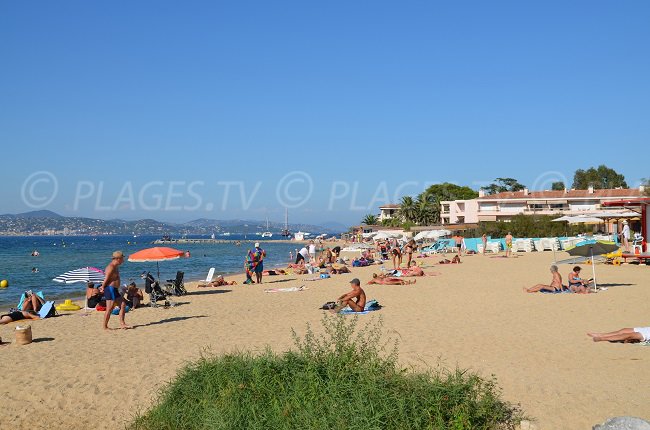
(158, 267)
(593, 267)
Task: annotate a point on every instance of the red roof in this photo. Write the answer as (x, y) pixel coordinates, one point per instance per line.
(612, 193)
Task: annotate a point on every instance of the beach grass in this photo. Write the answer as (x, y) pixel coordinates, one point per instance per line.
(346, 378)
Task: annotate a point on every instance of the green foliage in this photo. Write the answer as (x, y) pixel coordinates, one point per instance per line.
(558, 186)
(391, 222)
(425, 210)
(528, 226)
(347, 378)
(408, 209)
(601, 178)
(501, 185)
(370, 220)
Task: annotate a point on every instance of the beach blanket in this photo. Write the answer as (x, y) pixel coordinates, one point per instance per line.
(371, 305)
(556, 292)
(285, 290)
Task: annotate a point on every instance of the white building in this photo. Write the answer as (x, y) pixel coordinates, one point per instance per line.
(503, 206)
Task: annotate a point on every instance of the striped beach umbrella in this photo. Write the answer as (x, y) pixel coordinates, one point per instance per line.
(85, 274)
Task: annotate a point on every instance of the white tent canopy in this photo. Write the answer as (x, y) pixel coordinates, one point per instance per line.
(432, 234)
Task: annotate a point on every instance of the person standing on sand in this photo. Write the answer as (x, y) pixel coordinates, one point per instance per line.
(484, 240)
(508, 244)
(111, 286)
(625, 236)
(312, 252)
(258, 256)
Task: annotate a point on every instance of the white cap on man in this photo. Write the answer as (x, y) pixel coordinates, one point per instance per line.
(257, 244)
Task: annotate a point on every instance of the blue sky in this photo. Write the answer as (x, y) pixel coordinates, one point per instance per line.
(177, 111)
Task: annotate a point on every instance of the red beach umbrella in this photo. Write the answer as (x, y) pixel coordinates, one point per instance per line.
(157, 253)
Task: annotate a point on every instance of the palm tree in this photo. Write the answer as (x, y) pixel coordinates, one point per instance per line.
(408, 209)
(426, 213)
(369, 220)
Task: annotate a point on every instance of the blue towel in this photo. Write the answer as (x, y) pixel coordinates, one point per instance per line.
(371, 305)
(23, 297)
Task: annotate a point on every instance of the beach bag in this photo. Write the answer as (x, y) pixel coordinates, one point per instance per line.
(329, 305)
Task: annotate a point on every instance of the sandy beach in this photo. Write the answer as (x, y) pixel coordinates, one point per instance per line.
(473, 315)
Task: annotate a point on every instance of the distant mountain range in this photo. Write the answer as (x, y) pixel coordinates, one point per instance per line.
(47, 222)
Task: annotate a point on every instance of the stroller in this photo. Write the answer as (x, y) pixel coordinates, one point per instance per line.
(156, 293)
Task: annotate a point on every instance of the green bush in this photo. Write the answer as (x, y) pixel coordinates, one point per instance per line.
(345, 379)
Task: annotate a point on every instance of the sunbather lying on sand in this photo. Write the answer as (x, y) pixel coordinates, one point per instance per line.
(219, 282)
(17, 316)
(556, 283)
(455, 260)
(273, 272)
(636, 334)
(387, 280)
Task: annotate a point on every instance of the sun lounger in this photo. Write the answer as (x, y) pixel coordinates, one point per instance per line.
(208, 278)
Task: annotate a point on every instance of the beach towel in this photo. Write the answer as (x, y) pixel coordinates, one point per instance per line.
(371, 305)
(253, 259)
(285, 290)
(564, 291)
(24, 296)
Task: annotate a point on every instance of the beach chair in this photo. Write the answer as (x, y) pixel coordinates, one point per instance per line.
(208, 278)
(156, 293)
(176, 286)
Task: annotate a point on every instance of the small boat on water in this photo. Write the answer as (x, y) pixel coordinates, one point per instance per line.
(267, 233)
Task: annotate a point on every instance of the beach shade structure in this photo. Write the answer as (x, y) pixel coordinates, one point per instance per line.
(157, 254)
(585, 220)
(85, 274)
(591, 248)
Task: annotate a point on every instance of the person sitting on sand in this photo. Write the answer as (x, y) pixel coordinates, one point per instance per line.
(17, 316)
(388, 280)
(355, 299)
(94, 295)
(636, 334)
(32, 302)
(134, 296)
(577, 284)
(219, 282)
(556, 283)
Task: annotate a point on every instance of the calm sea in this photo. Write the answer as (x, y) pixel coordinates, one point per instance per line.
(59, 254)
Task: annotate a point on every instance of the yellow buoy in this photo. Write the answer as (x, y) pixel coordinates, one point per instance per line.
(68, 306)
(4, 283)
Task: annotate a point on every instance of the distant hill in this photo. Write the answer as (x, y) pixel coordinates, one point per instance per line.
(35, 214)
(48, 222)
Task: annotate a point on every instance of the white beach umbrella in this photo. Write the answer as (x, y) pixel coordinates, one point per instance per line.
(382, 235)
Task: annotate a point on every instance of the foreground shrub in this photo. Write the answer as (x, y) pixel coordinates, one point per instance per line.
(345, 379)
